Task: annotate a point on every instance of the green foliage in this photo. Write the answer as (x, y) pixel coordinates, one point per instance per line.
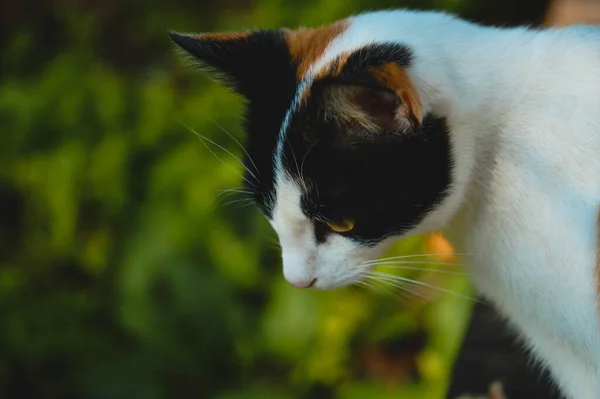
(120, 274)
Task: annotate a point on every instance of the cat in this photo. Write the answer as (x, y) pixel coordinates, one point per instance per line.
(393, 123)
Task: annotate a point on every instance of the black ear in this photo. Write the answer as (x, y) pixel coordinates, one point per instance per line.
(245, 61)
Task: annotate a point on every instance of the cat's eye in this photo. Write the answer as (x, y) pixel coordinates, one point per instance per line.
(343, 226)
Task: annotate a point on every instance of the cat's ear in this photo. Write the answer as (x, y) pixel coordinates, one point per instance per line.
(245, 61)
(375, 108)
(371, 87)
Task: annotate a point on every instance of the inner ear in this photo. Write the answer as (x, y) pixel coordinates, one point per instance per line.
(375, 109)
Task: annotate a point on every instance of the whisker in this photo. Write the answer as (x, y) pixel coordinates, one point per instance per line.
(304, 159)
(203, 140)
(373, 287)
(394, 288)
(424, 269)
(356, 287)
(226, 150)
(363, 284)
(406, 262)
(411, 281)
(227, 193)
(236, 190)
(413, 256)
(301, 177)
(243, 202)
(238, 143)
(410, 289)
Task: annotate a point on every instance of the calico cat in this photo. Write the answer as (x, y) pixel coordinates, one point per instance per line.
(395, 123)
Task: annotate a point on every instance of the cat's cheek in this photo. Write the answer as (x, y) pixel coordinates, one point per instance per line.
(342, 262)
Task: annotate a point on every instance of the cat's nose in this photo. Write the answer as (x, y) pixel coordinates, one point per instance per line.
(299, 269)
(302, 283)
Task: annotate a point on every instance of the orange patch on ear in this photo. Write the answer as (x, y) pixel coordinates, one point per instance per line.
(222, 36)
(396, 78)
(308, 44)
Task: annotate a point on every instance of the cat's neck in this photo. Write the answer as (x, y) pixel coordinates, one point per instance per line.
(470, 74)
(503, 92)
(468, 71)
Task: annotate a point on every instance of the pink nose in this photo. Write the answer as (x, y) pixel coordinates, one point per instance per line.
(303, 283)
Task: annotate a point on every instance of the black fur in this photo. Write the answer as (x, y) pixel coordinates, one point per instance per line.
(387, 184)
(260, 68)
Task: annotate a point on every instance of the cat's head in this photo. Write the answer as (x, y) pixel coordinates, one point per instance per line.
(342, 154)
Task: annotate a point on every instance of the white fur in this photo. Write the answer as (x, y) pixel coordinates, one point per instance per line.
(523, 107)
(334, 264)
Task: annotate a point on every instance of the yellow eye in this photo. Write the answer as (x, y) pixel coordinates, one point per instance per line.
(343, 227)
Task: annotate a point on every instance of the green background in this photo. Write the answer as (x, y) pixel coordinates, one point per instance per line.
(121, 276)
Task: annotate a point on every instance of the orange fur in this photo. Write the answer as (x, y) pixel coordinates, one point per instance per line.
(308, 44)
(397, 79)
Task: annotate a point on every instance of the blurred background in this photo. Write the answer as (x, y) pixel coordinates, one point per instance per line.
(125, 272)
